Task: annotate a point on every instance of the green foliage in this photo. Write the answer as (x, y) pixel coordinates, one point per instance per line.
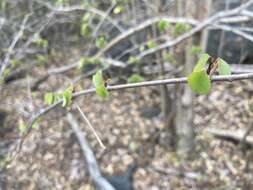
(151, 44)
(133, 60)
(84, 61)
(169, 58)
(101, 42)
(98, 82)
(199, 82)
(223, 67)
(195, 50)
(180, 28)
(41, 59)
(35, 124)
(163, 25)
(49, 98)
(15, 63)
(85, 30)
(66, 97)
(118, 9)
(135, 78)
(6, 73)
(41, 42)
(142, 48)
(201, 63)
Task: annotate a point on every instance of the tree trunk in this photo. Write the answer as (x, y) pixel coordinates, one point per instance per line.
(184, 117)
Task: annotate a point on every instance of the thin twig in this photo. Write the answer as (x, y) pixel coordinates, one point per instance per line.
(12, 45)
(90, 126)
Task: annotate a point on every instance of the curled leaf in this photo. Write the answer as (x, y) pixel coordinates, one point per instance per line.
(98, 82)
(223, 67)
(201, 62)
(199, 82)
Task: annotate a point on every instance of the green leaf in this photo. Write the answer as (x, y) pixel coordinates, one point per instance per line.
(49, 98)
(133, 60)
(201, 62)
(199, 82)
(118, 9)
(163, 25)
(102, 91)
(135, 78)
(97, 79)
(180, 28)
(101, 42)
(151, 44)
(223, 67)
(85, 30)
(98, 82)
(86, 17)
(142, 48)
(35, 124)
(67, 96)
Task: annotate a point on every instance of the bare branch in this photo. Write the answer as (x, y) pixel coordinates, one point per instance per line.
(199, 27)
(182, 80)
(90, 126)
(12, 45)
(88, 154)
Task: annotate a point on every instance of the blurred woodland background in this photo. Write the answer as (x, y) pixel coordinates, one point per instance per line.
(159, 137)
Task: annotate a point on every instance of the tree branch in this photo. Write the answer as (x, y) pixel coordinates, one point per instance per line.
(89, 156)
(182, 80)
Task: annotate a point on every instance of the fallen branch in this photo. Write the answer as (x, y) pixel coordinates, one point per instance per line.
(234, 136)
(94, 171)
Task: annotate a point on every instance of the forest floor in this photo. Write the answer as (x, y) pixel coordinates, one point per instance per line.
(128, 123)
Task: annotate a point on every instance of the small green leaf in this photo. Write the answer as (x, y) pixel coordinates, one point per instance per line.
(98, 82)
(201, 62)
(223, 67)
(163, 25)
(97, 79)
(85, 30)
(180, 28)
(199, 82)
(67, 96)
(101, 42)
(142, 48)
(102, 91)
(86, 17)
(118, 9)
(35, 124)
(133, 60)
(151, 44)
(135, 78)
(49, 98)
